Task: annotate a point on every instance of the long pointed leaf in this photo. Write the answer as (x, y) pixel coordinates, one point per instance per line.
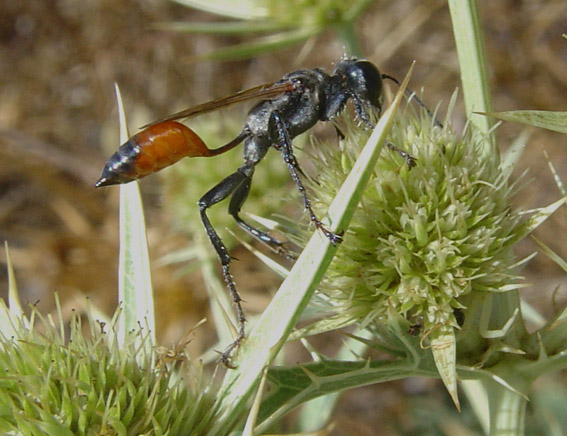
(243, 9)
(220, 28)
(473, 66)
(134, 279)
(556, 121)
(258, 46)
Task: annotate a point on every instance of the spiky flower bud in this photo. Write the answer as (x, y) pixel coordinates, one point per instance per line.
(93, 386)
(423, 237)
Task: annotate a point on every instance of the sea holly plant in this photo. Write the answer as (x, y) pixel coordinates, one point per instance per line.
(93, 378)
(426, 259)
(278, 24)
(116, 381)
(428, 265)
(427, 271)
(102, 376)
(427, 255)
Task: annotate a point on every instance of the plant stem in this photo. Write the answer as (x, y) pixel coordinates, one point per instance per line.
(473, 63)
(508, 409)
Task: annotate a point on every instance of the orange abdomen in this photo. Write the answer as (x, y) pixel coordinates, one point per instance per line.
(151, 150)
(163, 144)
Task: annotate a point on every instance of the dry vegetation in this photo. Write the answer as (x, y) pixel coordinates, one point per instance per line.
(59, 60)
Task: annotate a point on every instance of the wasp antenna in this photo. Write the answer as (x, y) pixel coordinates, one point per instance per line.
(393, 79)
(412, 96)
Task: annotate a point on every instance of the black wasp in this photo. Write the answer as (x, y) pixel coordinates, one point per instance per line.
(288, 108)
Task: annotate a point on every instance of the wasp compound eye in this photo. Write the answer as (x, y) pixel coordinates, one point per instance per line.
(370, 83)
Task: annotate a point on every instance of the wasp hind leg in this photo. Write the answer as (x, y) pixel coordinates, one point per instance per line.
(222, 190)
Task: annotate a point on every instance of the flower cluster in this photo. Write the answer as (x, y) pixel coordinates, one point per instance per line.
(423, 237)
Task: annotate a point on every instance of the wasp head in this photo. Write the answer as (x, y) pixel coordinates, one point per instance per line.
(362, 80)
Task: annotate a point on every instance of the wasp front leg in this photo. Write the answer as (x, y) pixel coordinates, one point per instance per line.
(282, 142)
(365, 118)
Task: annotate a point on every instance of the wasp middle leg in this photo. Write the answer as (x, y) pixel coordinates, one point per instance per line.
(237, 200)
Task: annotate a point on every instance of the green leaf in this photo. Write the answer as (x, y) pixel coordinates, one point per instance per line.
(292, 386)
(221, 28)
(538, 218)
(134, 279)
(556, 121)
(16, 311)
(260, 46)
(318, 413)
(552, 254)
(513, 154)
(473, 64)
(243, 9)
(444, 349)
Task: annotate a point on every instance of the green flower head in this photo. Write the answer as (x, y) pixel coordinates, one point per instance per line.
(423, 237)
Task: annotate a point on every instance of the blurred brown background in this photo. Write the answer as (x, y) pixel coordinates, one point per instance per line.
(58, 123)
